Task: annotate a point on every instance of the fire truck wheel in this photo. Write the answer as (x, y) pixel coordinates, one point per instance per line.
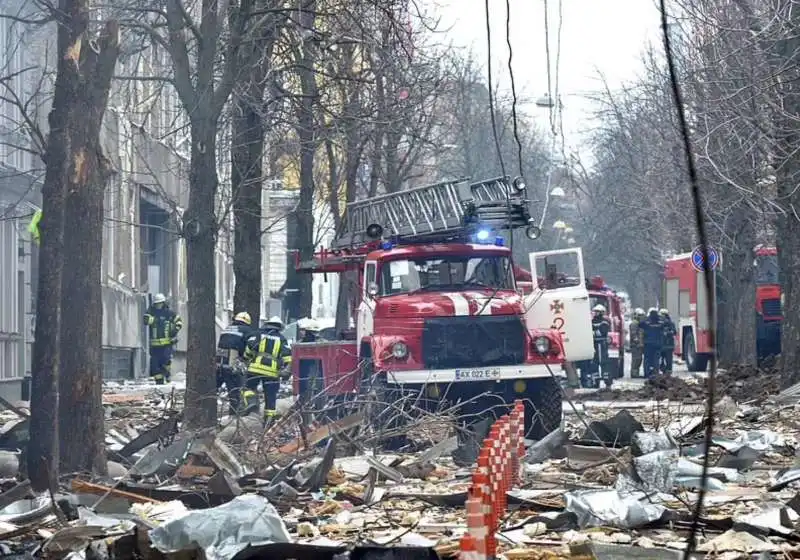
(543, 408)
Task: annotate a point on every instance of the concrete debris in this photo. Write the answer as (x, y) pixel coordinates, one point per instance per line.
(617, 479)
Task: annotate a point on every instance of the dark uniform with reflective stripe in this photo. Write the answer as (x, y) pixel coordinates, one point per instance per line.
(231, 349)
(668, 348)
(164, 325)
(268, 353)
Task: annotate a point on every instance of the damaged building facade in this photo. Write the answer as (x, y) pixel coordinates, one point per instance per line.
(142, 251)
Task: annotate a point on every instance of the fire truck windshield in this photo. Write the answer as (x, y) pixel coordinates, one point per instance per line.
(450, 272)
(767, 271)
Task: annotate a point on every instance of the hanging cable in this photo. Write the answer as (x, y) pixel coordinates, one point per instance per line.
(709, 285)
(490, 86)
(513, 88)
(549, 77)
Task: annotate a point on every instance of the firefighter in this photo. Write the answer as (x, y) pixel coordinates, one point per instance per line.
(637, 343)
(668, 348)
(652, 341)
(601, 328)
(230, 358)
(307, 330)
(164, 325)
(269, 354)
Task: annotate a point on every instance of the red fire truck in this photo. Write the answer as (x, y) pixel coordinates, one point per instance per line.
(437, 309)
(601, 294)
(769, 310)
(684, 295)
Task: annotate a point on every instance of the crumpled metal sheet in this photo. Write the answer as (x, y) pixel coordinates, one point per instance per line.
(223, 531)
(650, 442)
(594, 508)
(657, 470)
(757, 440)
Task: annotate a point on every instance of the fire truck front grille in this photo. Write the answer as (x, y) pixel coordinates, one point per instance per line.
(771, 307)
(453, 342)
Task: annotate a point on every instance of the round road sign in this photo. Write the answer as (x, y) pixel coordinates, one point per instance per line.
(697, 258)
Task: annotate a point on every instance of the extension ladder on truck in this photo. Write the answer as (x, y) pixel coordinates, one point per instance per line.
(441, 211)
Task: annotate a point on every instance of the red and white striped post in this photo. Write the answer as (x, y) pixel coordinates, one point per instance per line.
(499, 469)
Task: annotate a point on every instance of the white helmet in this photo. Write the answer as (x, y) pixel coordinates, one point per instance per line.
(663, 312)
(599, 309)
(652, 310)
(159, 298)
(639, 312)
(275, 321)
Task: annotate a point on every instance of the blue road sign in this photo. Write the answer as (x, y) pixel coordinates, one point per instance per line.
(697, 258)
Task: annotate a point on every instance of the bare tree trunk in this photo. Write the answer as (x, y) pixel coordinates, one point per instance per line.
(736, 311)
(81, 417)
(246, 181)
(200, 231)
(787, 138)
(78, 94)
(303, 217)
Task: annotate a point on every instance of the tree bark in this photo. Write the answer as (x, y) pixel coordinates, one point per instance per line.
(81, 417)
(736, 309)
(246, 181)
(200, 232)
(303, 217)
(787, 138)
(247, 156)
(68, 170)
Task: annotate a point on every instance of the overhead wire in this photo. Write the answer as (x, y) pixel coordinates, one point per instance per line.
(709, 285)
(513, 88)
(490, 87)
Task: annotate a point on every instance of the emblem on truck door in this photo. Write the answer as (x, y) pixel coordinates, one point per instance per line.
(556, 307)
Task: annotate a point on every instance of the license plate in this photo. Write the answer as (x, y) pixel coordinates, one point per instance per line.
(477, 374)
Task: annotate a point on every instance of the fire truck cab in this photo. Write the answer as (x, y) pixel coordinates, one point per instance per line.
(438, 312)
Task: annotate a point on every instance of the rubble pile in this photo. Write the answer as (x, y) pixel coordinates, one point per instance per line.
(619, 478)
(658, 387)
(741, 383)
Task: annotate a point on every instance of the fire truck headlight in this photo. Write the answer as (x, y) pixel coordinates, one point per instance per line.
(400, 350)
(519, 184)
(542, 344)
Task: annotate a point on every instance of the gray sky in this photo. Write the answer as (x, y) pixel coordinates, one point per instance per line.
(606, 36)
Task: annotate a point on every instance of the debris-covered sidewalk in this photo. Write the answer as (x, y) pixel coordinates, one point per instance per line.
(619, 479)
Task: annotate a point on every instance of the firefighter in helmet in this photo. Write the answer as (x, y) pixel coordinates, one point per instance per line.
(230, 358)
(668, 347)
(307, 330)
(269, 355)
(601, 328)
(637, 342)
(163, 327)
(652, 341)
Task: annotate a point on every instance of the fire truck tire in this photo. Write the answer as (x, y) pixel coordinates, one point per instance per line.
(543, 413)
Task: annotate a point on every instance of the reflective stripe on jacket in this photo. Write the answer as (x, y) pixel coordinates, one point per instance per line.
(268, 352)
(164, 325)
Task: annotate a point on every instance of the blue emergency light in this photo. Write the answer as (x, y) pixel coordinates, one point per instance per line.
(482, 235)
(386, 245)
(499, 241)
